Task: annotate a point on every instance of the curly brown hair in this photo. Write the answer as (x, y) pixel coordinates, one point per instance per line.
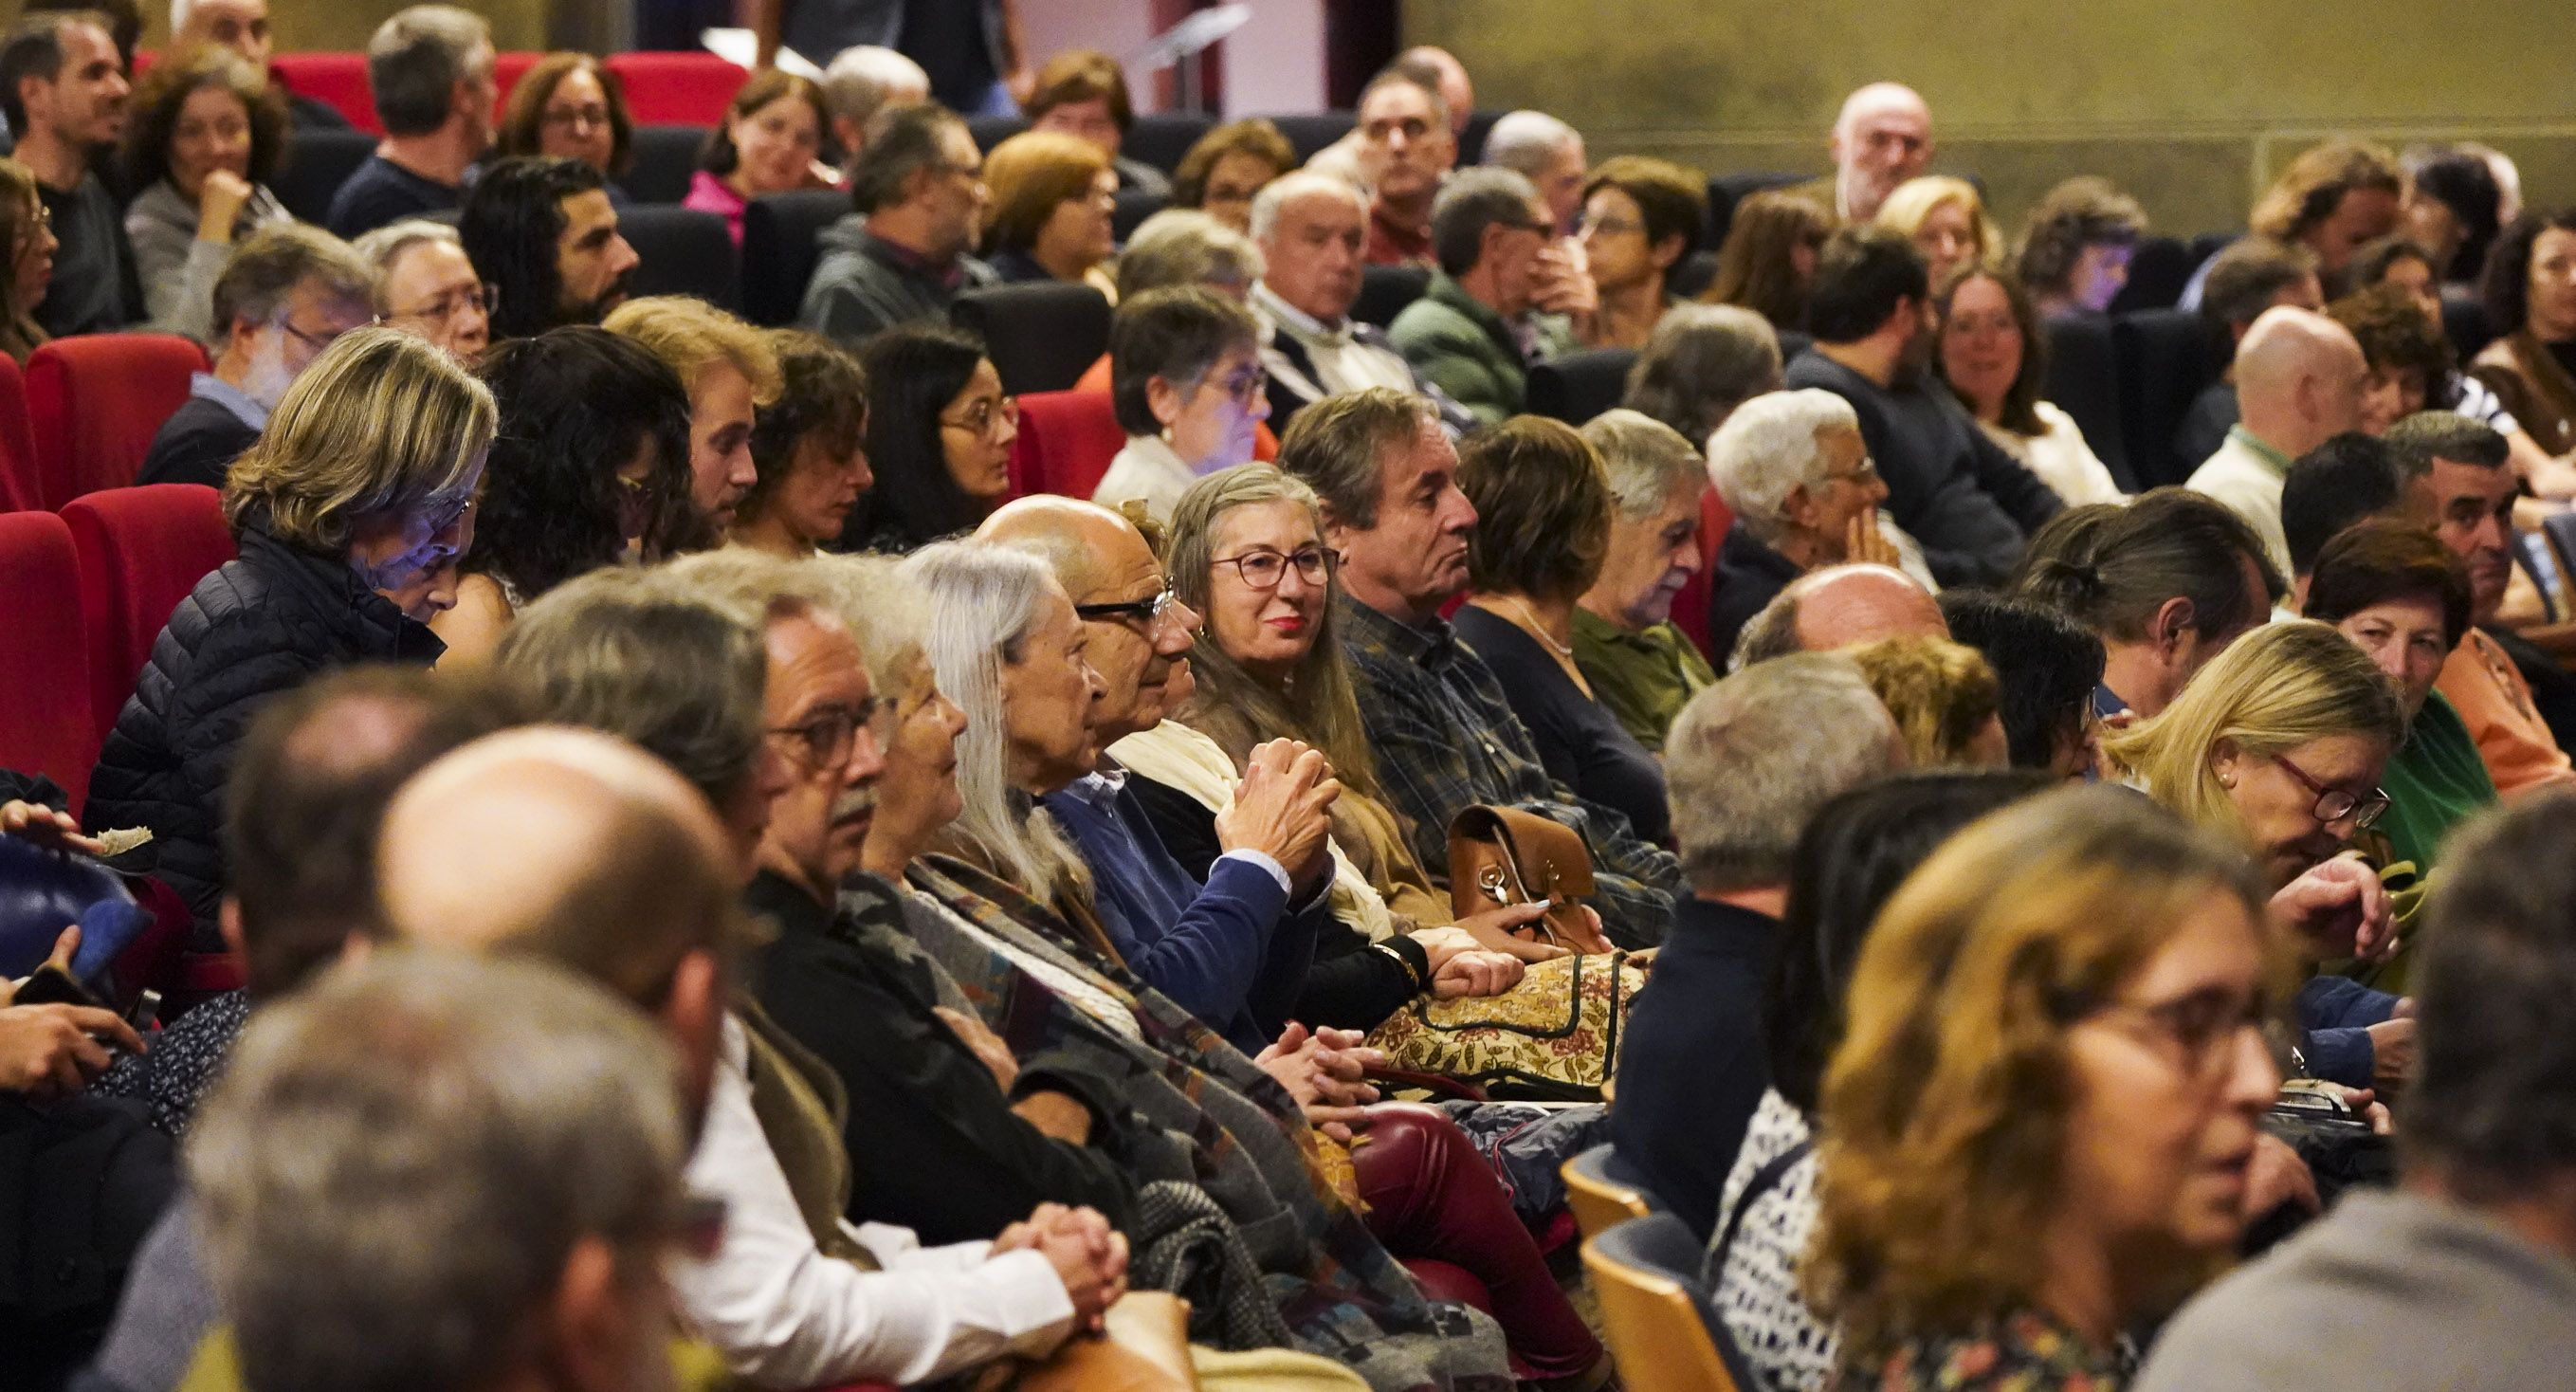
(2081, 212)
(162, 92)
(2394, 334)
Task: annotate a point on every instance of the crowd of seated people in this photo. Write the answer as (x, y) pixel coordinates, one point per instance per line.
(641, 764)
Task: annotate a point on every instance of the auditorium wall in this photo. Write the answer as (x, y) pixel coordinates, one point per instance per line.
(2189, 104)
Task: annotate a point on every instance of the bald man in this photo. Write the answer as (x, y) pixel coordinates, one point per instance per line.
(1881, 138)
(594, 854)
(1140, 632)
(1448, 77)
(2299, 378)
(1837, 607)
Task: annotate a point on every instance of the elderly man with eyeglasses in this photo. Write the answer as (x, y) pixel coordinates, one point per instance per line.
(286, 293)
(1476, 331)
(901, 257)
(1232, 941)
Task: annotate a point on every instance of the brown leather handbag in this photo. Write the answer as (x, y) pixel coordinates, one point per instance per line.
(1499, 856)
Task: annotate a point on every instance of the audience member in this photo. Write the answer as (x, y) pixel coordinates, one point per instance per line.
(1082, 93)
(2253, 275)
(1407, 146)
(1945, 217)
(1855, 852)
(1967, 502)
(570, 106)
(242, 26)
(430, 70)
(1882, 137)
(204, 140)
(771, 140)
(863, 80)
(1228, 167)
(2299, 379)
(1542, 501)
(901, 257)
(1768, 262)
(939, 438)
(543, 235)
(1700, 363)
(589, 468)
(275, 278)
(2046, 667)
(2076, 1182)
(1311, 230)
(26, 228)
(2455, 480)
(809, 448)
(730, 371)
(350, 512)
(2468, 1255)
(2340, 482)
(1477, 329)
(2401, 597)
(426, 285)
(1993, 356)
(1640, 664)
(1181, 247)
(1547, 152)
(2530, 294)
(2166, 583)
(2330, 200)
(1750, 760)
(2074, 251)
(1943, 697)
(1186, 376)
(1797, 479)
(62, 92)
(1438, 69)
(1053, 195)
(2452, 208)
(1247, 552)
(1837, 607)
(2404, 267)
(1638, 218)
(2404, 353)
(1444, 735)
(515, 1126)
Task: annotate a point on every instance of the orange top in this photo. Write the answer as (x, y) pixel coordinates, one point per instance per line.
(1265, 444)
(2495, 703)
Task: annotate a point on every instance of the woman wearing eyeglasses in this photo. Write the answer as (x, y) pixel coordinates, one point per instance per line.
(2280, 741)
(427, 286)
(939, 437)
(2040, 1126)
(570, 106)
(1186, 379)
(590, 467)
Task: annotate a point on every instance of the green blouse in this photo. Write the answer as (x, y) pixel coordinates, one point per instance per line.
(2435, 782)
(1642, 678)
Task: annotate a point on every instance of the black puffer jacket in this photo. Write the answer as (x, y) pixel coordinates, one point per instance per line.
(257, 627)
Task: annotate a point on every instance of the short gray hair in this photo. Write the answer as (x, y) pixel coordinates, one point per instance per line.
(1769, 634)
(887, 611)
(1276, 195)
(1471, 201)
(1751, 758)
(401, 1157)
(1769, 448)
(1183, 246)
(2425, 436)
(1337, 448)
(984, 600)
(863, 77)
(415, 60)
(1524, 141)
(260, 278)
(679, 671)
(1647, 461)
(384, 246)
(902, 141)
(1700, 363)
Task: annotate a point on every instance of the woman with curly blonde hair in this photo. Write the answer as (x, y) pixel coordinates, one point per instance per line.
(2038, 1127)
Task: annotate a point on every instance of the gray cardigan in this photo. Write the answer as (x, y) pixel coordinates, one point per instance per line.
(178, 271)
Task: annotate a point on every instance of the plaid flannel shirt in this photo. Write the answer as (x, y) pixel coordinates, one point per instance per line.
(1446, 739)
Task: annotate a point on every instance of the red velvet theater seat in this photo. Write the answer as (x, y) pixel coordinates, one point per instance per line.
(95, 402)
(45, 724)
(141, 550)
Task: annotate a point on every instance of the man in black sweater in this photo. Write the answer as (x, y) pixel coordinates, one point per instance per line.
(1749, 761)
(63, 93)
(285, 294)
(1971, 506)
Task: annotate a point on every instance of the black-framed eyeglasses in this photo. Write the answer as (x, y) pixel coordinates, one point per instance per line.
(1263, 568)
(2202, 1027)
(317, 341)
(1148, 611)
(831, 732)
(2334, 804)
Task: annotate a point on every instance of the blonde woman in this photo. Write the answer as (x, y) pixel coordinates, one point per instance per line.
(1945, 698)
(1946, 220)
(351, 512)
(2040, 1125)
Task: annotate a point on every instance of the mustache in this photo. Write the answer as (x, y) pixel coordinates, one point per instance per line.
(856, 803)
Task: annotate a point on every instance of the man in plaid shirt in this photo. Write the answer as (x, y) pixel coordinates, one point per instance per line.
(1444, 736)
